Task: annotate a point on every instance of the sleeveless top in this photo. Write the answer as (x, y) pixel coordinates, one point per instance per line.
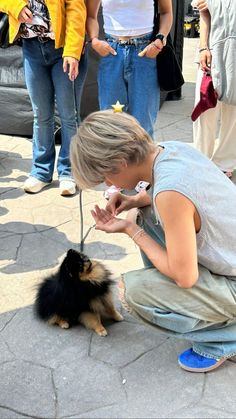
(180, 167)
(128, 17)
(41, 22)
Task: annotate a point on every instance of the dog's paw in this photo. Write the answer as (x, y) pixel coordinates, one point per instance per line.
(101, 332)
(64, 324)
(118, 317)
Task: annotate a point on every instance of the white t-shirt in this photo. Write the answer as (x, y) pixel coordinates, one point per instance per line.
(128, 17)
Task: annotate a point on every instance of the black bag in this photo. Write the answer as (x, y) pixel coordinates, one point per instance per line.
(169, 72)
(4, 31)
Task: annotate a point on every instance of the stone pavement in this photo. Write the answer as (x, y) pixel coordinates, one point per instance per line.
(47, 372)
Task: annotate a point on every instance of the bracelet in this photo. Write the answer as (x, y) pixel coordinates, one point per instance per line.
(204, 49)
(141, 230)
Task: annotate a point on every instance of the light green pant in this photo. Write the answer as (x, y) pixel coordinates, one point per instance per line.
(204, 314)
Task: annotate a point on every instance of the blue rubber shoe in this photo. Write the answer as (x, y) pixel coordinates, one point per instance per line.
(193, 362)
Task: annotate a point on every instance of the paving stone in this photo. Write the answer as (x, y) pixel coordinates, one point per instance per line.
(41, 256)
(56, 216)
(10, 414)
(125, 343)
(17, 227)
(124, 410)
(9, 193)
(163, 120)
(5, 318)
(87, 386)
(219, 387)
(139, 410)
(3, 211)
(201, 411)
(28, 389)
(155, 377)
(19, 291)
(43, 344)
(6, 354)
(9, 248)
(178, 131)
(13, 163)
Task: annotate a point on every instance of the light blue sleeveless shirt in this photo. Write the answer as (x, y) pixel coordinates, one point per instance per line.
(179, 167)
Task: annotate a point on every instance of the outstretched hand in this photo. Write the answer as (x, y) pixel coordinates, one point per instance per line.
(105, 221)
(119, 202)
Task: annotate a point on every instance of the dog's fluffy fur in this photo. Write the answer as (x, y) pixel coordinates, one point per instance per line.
(79, 292)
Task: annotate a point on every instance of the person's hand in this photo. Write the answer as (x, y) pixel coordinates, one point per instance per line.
(105, 221)
(73, 65)
(205, 60)
(25, 15)
(118, 203)
(151, 50)
(201, 5)
(102, 47)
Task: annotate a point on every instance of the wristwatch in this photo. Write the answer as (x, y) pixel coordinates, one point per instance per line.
(162, 38)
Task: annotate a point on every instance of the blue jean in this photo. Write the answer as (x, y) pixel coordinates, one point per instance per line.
(204, 314)
(132, 80)
(46, 82)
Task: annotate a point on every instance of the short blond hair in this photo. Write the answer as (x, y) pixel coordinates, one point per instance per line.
(102, 141)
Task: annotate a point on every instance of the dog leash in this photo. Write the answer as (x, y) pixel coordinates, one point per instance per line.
(82, 236)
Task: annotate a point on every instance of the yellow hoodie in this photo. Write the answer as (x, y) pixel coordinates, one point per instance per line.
(68, 22)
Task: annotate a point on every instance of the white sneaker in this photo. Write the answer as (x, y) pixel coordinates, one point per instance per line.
(141, 186)
(111, 190)
(67, 187)
(34, 185)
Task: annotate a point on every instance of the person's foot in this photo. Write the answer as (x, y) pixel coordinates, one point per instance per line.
(193, 362)
(141, 186)
(34, 185)
(67, 187)
(110, 191)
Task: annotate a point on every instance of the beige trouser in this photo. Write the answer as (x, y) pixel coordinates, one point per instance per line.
(204, 314)
(218, 122)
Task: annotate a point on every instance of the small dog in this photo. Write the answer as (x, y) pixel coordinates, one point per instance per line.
(79, 292)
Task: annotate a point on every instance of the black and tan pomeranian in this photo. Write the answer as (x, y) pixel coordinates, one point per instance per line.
(79, 292)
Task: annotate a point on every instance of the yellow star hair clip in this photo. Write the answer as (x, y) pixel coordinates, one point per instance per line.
(117, 107)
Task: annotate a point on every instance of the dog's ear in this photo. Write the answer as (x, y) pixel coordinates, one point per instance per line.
(74, 261)
(70, 252)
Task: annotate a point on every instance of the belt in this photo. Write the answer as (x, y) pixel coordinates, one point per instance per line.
(131, 41)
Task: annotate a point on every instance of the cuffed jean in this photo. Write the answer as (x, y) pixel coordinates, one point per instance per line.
(130, 79)
(47, 82)
(204, 314)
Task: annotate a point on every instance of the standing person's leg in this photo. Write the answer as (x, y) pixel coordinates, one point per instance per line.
(41, 91)
(67, 105)
(225, 154)
(79, 83)
(205, 126)
(111, 83)
(112, 86)
(143, 88)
